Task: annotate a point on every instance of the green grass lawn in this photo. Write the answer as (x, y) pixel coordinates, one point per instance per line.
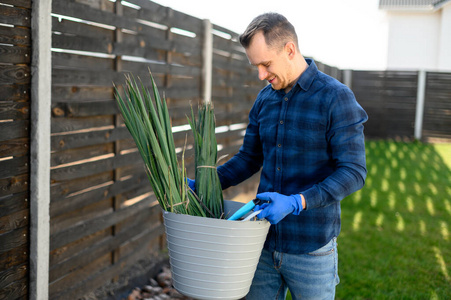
(395, 241)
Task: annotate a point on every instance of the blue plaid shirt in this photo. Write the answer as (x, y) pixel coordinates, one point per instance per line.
(307, 141)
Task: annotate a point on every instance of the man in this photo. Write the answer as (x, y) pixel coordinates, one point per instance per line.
(305, 133)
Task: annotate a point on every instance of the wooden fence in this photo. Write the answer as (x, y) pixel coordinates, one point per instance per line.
(103, 215)
(15, 86)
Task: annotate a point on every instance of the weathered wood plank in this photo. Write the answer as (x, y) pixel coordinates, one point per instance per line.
(15, 92)
(85, 108)
(84, 77)
(14, 167)
(63, 253)
(81, 29)
(101, 193)
(18, 3)
(86, 228)
(81, 153)
(12, 203)
(81, 43)
(15, 54)
(60, 125)
(14, 110)
(10, 74)
(10, 275)
(165, 16)
(12, 185)
(13, 239)
(15, 36)
(81, 94)
(75, 61)
(90, 168)
(62, 190)
(97, 279)
(86, 12)
(95, 250)
(14, 221)
(15, 290)
(69, 141)
(15, 16)
(18, 147)
(61, 285)
(90, 212)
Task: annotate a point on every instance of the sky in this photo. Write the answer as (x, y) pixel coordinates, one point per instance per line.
(349, 34)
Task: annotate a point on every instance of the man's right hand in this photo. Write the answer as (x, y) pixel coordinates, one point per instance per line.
(191, 184)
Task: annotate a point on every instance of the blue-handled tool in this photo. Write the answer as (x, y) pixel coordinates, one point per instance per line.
(245, 209)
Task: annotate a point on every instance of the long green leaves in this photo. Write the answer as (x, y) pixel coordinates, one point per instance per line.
(208, 186)
(148, 121)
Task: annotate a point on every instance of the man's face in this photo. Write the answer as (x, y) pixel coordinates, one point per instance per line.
(273, 64)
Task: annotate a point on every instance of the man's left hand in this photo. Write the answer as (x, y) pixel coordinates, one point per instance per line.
(279, 206)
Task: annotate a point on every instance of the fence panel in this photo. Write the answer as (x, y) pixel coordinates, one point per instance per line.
(104, 216)
(389, 98)
(235, 85)
(437, 108)
(15, 55)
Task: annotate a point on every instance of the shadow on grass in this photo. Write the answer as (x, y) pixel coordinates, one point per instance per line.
(395, 240)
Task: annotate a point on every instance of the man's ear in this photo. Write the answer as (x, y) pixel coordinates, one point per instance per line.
(290, 49)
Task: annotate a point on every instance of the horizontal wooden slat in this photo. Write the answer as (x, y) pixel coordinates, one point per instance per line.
(18, 147)
(87, 284)
(15, 54)
(14, 221)
(18, 3)
(15, 184)
(64, 26)
(74, 233)
(10, 74)
(85, 12)
(89, 254)
(15, 16)
(14, 110)
(13, 239)
(15, 290)
(15, 36)
(10, 275)
(13, 203)
(90, 168)
(14, 167)
(60, 125)
(101, 193)
(15, 92)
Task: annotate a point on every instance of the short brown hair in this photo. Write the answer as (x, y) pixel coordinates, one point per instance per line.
(276, 30)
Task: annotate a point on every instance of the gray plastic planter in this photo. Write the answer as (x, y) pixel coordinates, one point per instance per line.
(212, 258)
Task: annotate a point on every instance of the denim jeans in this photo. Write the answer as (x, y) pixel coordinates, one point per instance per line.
(307, 276)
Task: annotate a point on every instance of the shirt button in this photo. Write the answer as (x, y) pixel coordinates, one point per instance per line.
(279, 145)
(278, 168)
(286, 99)
(281, 121)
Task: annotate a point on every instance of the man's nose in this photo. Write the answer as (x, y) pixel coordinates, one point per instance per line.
(262, 73)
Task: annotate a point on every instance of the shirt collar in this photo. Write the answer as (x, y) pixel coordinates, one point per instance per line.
(306, 79)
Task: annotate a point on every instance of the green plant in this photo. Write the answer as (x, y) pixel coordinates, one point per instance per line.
(208, 186)
(149, 124)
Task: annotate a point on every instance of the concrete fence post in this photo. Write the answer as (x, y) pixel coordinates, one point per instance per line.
(41, 76)
(347, 78)
(207, 65)
(419, 111)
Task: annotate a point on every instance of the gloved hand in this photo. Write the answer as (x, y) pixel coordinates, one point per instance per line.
(279, 206)
(191, 184)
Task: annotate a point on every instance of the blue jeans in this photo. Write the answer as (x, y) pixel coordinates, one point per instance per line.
(307, 276)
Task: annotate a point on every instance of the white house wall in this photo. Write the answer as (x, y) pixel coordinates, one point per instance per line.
(444, 60)
(413, 40)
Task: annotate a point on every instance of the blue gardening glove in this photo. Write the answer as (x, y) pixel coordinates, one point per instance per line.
(191, 184)
(279, 206)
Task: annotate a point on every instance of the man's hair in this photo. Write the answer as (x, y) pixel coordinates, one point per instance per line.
(276, 30)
